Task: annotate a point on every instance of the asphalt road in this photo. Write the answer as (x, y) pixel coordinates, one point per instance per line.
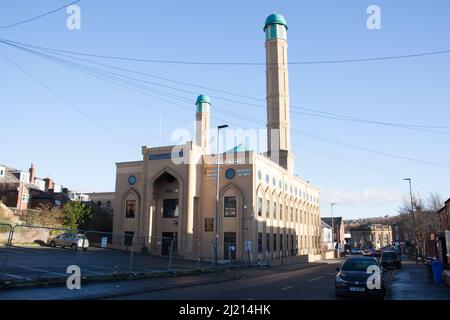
(25, 263)
(312, 283)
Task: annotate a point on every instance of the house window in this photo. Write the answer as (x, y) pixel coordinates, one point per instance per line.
(209, 224)
(281, 212)
(259, 207)
(292, 214)
(229, 206)
(281, 242)
(267, 208)
(130, 208)
(170, 208)
(296, 215)
(260, 242)
(274, 242)
(128, 238)
(267, 241)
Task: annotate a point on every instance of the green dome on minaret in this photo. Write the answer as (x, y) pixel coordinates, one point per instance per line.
(202, 99)
(275, 18)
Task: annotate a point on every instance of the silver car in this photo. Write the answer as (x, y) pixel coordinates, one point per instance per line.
(70, 240)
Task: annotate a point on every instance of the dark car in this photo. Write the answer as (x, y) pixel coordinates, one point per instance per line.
(390, 259)
(356, 252)
(352, 279)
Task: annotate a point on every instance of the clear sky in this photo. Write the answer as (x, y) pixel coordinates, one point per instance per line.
(77, 151)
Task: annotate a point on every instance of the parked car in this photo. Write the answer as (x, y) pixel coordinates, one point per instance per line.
(376, 253)
(70, 240)
(356, 252)
(390, 259)
(353, 275)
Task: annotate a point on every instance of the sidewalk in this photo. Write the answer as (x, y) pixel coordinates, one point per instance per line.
(412, 282)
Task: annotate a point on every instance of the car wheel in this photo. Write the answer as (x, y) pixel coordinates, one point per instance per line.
(53, 244)
(74, 247)
(84, 249)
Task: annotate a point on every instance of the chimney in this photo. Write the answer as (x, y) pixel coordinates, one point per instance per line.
(32, 173)
(48, 184)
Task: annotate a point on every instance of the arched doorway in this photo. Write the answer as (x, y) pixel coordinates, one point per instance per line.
(167, 206)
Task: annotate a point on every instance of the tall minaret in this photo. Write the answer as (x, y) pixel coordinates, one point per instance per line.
(202, 122)
(278, 123)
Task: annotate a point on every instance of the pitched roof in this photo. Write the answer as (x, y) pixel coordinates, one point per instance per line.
(336, 220)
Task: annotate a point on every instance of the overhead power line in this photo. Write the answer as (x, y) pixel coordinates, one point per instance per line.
(126, 82)
(316, 113)
(38, 17)
(66, 101)
(243, 63)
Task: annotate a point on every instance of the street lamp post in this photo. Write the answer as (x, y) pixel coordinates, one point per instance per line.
(413, 216)
(332, 225)
(216, 240)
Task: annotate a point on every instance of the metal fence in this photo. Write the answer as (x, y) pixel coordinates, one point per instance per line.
(31, 252)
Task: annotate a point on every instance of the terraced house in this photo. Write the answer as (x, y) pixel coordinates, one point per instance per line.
(264, 209)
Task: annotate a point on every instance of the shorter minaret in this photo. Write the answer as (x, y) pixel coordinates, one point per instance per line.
(202, 118)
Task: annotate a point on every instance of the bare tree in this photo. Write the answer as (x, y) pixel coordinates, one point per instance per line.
(422, 220)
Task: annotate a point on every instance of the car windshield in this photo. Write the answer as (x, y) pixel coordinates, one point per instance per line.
(358, 264)
(390, 255)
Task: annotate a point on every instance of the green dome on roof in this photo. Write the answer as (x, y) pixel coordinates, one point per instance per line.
(275, 18)
(202, 99)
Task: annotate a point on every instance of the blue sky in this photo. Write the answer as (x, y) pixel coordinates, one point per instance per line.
(38, 127)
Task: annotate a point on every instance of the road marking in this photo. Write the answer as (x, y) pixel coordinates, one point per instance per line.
(314, 279)
(40, 270)
(11, 275)
(286, 288)
(333, 273)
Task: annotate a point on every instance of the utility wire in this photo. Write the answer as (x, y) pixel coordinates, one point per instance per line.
(226, 63)
(70, 104)
(316, 113)
(300, 132)
(38, 17)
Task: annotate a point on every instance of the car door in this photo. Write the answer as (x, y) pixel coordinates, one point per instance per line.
(59, 240)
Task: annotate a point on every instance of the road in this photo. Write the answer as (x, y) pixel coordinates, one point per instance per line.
(312, 283)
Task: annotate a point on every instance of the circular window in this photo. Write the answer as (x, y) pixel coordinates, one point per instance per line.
(132, 180)
(259, 175)
(280, 185)
(230, 173)
(296, 191)
(274, 181)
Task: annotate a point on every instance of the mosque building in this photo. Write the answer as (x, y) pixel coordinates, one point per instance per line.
(264, 209)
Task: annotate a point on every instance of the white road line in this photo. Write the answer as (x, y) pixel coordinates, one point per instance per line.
(91, 271)
(314, 279)
(286, 288)
(40, 270)
(333, 273)
(11, 275)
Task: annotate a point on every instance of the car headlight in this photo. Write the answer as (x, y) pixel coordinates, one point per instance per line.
(340, 280)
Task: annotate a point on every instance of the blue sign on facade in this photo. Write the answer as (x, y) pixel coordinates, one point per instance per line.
(166, 155)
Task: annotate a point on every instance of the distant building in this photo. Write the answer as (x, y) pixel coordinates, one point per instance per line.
(374, 236)
(444, 217)
(103, 200)
(326, 236)
(339, 233)
(15, 187)
(22, 190)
